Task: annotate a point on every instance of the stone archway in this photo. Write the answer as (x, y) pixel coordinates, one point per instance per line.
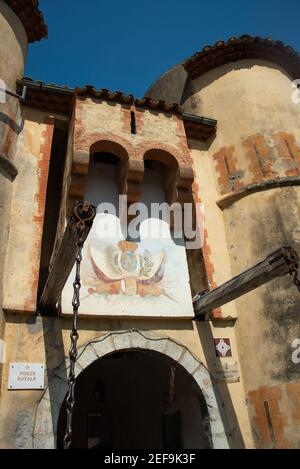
(47, 413)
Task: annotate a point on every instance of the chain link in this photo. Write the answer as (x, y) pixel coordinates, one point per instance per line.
(80, 232)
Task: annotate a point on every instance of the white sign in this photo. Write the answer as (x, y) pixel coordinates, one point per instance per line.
(26, 376)
(229, 373)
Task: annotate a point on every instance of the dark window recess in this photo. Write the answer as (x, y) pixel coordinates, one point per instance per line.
(98, 431)
(106, 158)
(133, 122)
(53, 198)
(171, 428)
(149, 164)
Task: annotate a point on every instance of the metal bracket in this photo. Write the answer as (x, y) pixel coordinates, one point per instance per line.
(15, 95)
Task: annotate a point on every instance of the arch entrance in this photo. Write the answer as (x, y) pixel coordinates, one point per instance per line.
(137, 399)
(141, 380)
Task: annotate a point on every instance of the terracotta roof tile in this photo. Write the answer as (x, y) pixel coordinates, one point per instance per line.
(118, 96)
(31, 17)
(243, 47)
(59, 99)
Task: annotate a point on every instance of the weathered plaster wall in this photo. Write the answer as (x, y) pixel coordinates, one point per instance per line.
(269, 316)
(100, 117)
(257, 143)
(27, 212)
(40, 340)
(13, 47)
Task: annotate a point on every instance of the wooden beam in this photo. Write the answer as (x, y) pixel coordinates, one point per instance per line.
(65, 258)
(276, 264)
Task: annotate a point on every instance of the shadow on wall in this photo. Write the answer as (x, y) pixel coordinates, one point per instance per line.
(227, 411)
(55, 357)
(279, 226)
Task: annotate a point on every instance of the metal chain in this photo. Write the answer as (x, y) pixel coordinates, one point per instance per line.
(70, 399)
(293, 263)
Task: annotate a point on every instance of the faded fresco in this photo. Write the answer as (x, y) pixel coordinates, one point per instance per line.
(126, 278)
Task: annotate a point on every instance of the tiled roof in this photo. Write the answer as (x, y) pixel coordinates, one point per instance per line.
(59, 100)
(47, 97)
(31, 17)
(40, 93)
(243, 47)
(118, 96)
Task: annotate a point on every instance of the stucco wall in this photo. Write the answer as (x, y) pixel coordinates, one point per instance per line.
(13, 49)
(13, 46)
(27, 212)
(47, 341)
(257, 144)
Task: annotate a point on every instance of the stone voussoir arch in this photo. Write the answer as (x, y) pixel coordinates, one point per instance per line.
(48, 408)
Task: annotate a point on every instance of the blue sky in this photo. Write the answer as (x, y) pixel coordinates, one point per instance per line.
(126, 45)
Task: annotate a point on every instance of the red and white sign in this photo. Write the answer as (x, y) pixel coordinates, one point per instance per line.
(222, 347)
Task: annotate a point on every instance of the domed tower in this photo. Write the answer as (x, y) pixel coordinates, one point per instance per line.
(21, 23)
(248, 177)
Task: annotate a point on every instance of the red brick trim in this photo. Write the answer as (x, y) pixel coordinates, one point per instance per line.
(289, 152)
(293, 392)
(38, 218)
(206, 250)
(258, 153)
(272, 396)
(156, 146)
(139, 119)
(227, 169)
(83, 146)
(126, 119)
(131, 171)
(183, 144)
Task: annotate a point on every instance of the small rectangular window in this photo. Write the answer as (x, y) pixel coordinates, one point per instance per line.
(132, 122)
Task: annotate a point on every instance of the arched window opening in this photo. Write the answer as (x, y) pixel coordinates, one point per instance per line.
(152, 187)
(162, 169)
(102, 180)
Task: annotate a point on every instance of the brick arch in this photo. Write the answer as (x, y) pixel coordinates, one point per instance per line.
(163, 156)
(83, 146)
(118, 149)
(182, 157)
(48, 409)
(131, 171)
(110, 146)
(170, 172)
(182, 175)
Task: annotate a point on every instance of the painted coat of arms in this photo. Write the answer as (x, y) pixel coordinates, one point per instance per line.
(126, 278)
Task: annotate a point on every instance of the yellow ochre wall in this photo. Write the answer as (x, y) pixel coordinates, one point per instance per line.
(257, 143)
